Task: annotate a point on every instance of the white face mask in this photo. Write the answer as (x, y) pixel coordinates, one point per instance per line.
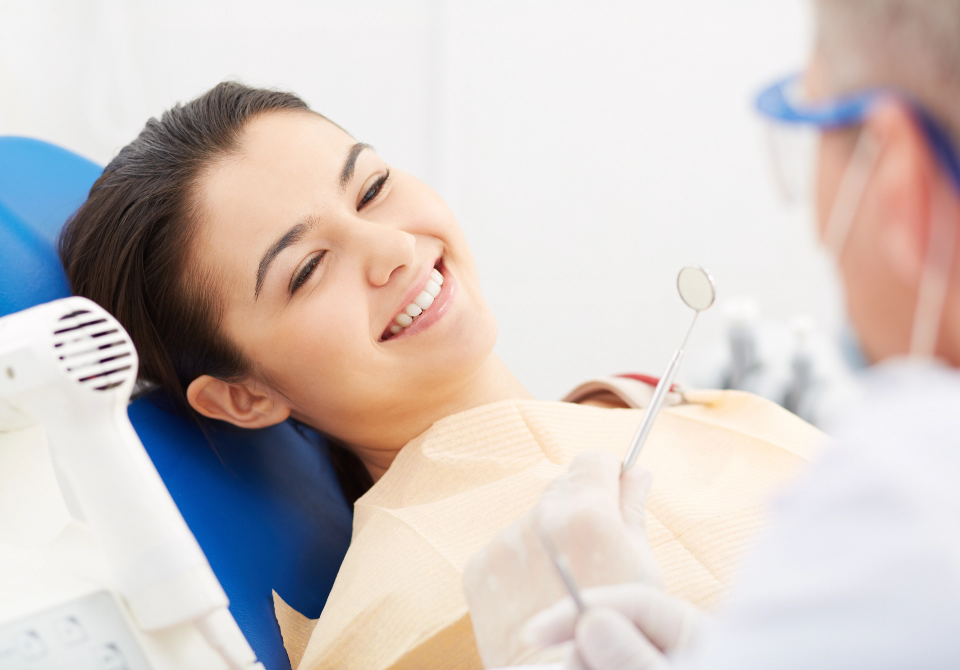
(938, 262)
(938, 259)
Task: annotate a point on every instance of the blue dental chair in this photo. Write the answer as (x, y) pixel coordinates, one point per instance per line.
(265, 505)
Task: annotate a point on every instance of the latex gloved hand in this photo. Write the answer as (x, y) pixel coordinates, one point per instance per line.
(625, 627)
(596, 519)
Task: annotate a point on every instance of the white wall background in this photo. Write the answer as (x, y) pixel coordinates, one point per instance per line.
(589, 149)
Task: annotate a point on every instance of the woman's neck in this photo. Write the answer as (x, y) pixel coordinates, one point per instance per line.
(492, 382)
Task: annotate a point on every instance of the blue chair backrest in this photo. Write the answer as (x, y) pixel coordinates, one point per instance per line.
(265, 505)
(40, 186)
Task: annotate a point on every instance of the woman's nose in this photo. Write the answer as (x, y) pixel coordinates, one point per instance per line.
(384, 250)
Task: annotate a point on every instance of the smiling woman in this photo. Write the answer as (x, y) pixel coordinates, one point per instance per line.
(317, 244)
(268, 266)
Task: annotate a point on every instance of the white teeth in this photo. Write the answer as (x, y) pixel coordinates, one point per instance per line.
(424, 300)
(420, 303)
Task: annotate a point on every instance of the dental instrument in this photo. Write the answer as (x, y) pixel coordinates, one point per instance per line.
(696, 289)
(563, 568)
(70, 367)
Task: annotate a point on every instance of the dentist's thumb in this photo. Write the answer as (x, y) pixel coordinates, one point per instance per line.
(606, 640)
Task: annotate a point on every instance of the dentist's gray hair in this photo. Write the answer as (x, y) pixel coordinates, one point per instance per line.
(913, 45)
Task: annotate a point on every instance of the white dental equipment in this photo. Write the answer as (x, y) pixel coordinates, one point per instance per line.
(69, 366)
(697, 290)
(794, 362)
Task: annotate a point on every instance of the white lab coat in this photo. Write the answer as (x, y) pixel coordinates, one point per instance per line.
(860, 567)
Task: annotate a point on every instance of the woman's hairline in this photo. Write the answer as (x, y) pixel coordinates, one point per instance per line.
(197, 278)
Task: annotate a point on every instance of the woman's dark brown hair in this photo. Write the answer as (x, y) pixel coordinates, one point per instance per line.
(127, 247)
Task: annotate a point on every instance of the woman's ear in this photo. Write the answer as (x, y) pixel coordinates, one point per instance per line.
(241, 403)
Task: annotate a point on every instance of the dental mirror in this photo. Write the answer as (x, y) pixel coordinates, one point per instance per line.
(695, 286)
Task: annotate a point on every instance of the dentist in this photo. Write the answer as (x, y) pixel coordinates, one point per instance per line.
(860, 567)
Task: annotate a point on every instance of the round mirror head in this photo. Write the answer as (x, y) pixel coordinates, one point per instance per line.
(696, 287)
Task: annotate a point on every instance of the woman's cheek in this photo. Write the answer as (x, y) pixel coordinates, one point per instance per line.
(326, 336)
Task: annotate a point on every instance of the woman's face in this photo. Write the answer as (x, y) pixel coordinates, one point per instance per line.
(317, 246)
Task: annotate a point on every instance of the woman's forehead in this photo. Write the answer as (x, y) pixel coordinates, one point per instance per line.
(287, 167)
(285, 162)
(281, 142)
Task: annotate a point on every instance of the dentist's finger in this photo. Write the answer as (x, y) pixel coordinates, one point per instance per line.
(577, 501)
(634, 491)
(551, 626)
(573, 660)
(668, 622)
(606, 640)
(590, 470)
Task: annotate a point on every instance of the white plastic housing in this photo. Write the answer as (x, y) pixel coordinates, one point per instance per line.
(70, 366)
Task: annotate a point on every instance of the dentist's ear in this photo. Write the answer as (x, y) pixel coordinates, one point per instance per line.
(241, 404)
(906, 179)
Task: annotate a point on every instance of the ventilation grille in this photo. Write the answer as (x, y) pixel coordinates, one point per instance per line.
(94, 350)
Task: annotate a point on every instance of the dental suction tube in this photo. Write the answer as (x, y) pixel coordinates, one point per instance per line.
(70, 366)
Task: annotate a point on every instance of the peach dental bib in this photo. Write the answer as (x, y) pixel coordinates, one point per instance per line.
(398, 600)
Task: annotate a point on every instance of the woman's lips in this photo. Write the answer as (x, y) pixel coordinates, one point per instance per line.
(428, 306)
(420, 304)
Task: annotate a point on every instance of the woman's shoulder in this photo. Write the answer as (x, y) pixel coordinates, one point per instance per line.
(617, 392)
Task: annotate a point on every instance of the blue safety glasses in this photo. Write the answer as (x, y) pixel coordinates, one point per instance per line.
(783, 104)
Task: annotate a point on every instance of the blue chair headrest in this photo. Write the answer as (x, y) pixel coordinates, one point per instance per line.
(40, 186)
(42, 183)
(30, 272)
(265, 505)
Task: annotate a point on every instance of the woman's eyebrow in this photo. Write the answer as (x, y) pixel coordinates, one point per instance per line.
(291, 237)
(347, 172)
(296, 233)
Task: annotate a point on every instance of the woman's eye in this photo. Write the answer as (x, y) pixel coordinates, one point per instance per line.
(374, 190)
(303, 274)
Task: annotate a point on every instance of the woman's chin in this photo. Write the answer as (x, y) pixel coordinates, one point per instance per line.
(455, 353)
